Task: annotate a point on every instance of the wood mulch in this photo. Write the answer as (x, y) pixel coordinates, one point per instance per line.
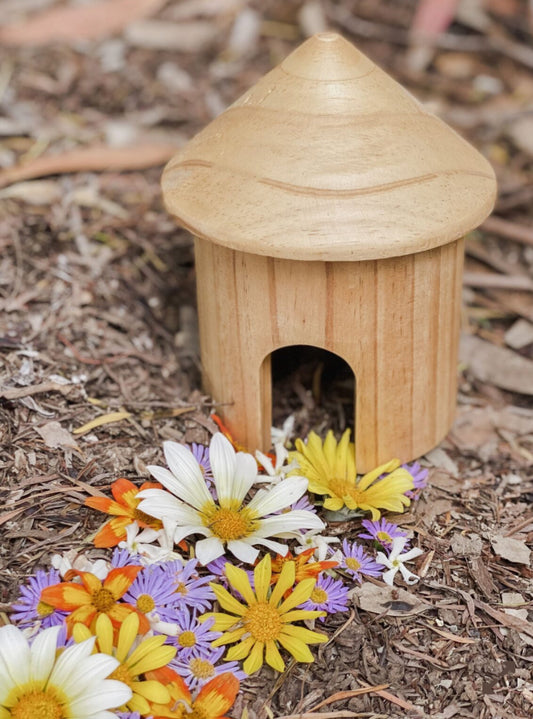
(98, 320)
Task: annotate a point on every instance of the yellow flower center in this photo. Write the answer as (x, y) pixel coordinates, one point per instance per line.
(38, 705)
(44, 609)
(352, 563)
(102, 599)
(122, 674)
(384, 537)
(187, 639)
(197, 713)
(201, 668)
(142, 517)
(228, 524)
(319, 596)
(345, 488)
(263, 621)
(181, 588)
(145, 603)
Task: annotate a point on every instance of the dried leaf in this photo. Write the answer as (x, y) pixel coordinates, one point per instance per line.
(70, 23)
(520, 334)
(54, 436)
(396, 602)
(99, 421)
(514, 550)
(162, 35)
(95, 158)
(497, 365)
(470, 546)
(42, 192)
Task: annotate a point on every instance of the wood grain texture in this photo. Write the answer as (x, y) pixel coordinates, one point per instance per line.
(394, 321)
(327, 158)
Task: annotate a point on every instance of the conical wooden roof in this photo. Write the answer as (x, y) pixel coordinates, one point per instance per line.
(328, 158)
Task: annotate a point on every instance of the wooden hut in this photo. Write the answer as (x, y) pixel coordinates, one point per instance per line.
(329, 209)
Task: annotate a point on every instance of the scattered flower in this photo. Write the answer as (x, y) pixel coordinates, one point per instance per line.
(190, 637)
(265, 620)
(201, 454)
(329, 595)
(153, 594)
(278, 470)
(283, 435)
(315, 541)
(214, 699)
(419, 475)
(330, 469)
(227, 523)
(135, 659)
(141, 544)
(30, 608)
(381, 531)
(36, 683)
(357, 563)
(304, 566)
(199, 668)
(190, 590)
(73, 560)
(125, 508)
(86, 601)
(396, 561)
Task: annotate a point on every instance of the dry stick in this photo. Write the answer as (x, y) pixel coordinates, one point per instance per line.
(520, 525)
(391, 697)
(509, 230)
(339, 696)
(491, 280)
(334, 715)
(19, 392)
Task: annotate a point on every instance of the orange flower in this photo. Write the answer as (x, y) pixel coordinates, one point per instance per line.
(86, 601)
(125, 510)
(304, 568)
(213, 701)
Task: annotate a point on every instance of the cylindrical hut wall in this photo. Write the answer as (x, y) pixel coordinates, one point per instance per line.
(395, 321)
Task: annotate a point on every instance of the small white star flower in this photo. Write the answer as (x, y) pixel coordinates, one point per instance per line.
(395, 561)
(150, 545)
(314, 539)
(72, 560)
(278, 471)
(283, 436)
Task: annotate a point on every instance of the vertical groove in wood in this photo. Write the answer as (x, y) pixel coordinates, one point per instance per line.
(395, 322)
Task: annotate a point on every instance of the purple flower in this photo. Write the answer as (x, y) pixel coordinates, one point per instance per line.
(199, 669)
(129, 715)
(192, 638)
(329, 595)
(29, 608)
(357, 562)
(419, 475)
(189, 589)
(201, 455)
(122, 558)
(152, 592)
(381, 531)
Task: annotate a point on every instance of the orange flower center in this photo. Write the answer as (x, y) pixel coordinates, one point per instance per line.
(319, 596)
(201, 668)
(187, 639)
(263, 621)
(38, 705)
(102, 599)
(352, 563)
(141, 516)
(122, 674)
(228, 524)
(44, 609)
(145, 603)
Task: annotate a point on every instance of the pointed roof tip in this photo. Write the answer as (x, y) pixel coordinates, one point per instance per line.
(327, 56)
(327, 157)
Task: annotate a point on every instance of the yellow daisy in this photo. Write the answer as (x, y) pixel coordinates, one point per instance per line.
(330, 469)
(135, 659)
(265, 620)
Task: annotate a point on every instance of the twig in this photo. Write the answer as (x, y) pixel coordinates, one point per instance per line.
(334, 715)
(492, 280)
(339, 696)
(509, 230)
(392, 698)
(19, 392)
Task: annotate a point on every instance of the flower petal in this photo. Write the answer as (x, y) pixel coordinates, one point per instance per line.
(189, 483)
(222, 459)
(273, 657)
(281, 495)
(255, 658)
(207, 550)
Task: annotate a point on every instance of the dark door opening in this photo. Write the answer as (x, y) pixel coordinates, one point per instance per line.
(315, 385)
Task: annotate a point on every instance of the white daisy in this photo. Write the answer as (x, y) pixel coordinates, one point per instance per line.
(395, 561)
(226, 522)
(35, 682)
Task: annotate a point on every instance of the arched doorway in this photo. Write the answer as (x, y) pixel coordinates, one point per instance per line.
(316, 386)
